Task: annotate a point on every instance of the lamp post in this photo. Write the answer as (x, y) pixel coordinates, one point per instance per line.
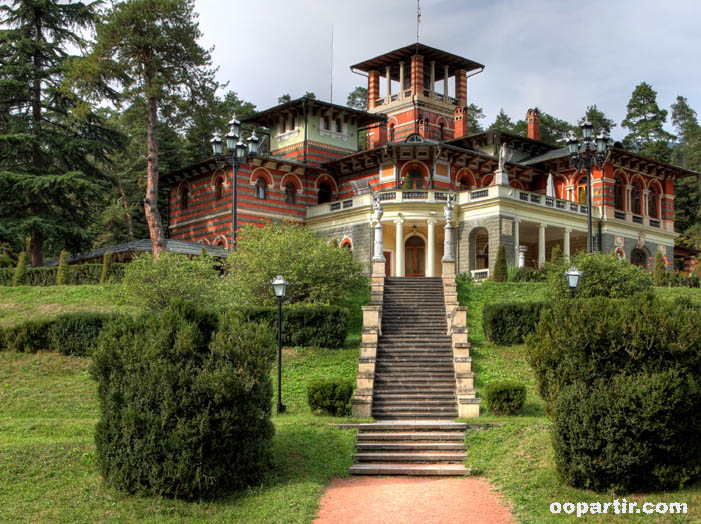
(280, 289)
(588, 159)
(573, 275)
(237, 152)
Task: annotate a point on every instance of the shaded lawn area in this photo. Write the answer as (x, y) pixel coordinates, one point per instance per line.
(516, 455)
(48, 411)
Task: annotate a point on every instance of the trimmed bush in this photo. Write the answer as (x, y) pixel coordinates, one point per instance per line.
(331, 397)
(106, 264)
(508, 323)
(185, 401)
(659, 273)
(63, 271)
(635, 433)
(505, 398)
(602, 276)
(529, 274)
(69, 334)
(305, 325)
(78, 275)
(501, 273)
(20, 272)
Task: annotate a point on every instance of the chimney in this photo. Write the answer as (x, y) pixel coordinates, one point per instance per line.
(533, 119)
(460, 122)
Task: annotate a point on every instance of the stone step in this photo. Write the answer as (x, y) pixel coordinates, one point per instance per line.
(410, 436)
(372, 468)
(414, 402)
(419, 425)
(403, 391)
(419, 457)
(410, 446)
(415, 412)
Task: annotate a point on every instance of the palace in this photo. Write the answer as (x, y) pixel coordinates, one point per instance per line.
(312, 169)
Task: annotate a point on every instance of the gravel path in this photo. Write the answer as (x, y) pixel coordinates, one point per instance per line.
(402, 500)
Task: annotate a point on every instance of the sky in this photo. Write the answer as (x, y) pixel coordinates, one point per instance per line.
(558, 55)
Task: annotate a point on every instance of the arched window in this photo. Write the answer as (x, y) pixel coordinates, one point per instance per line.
(260, 188)
(391, 132)
(486, 181)
(219, 188)
(346, 244)
(582, 191)
(413, 180)
(637, 257)
(184, 197)
(464, 185)
(290, 193)
(324, 193)
(618, 194)
(441, 129)
(635, 199)
(653, 200)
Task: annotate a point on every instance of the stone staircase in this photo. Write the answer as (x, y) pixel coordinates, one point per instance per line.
(414, 394)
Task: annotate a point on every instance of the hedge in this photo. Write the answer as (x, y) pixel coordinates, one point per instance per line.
(635, 433)
(78, 274)
(185, 403)
(69, 334)
(507, 323)
(316, 326)
(620, 380)
(505, 398)
(330, 396)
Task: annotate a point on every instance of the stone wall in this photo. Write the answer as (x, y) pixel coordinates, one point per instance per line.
(611, 242)
(360, 236)
(500, 229)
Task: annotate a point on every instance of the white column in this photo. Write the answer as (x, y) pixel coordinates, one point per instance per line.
(389, 83)
(445, 83)
(401, 80)
(517, 236)
(566, 243)
(399, 248)
(432, 87)
(378, 255)
(541, 244)
(431, 262)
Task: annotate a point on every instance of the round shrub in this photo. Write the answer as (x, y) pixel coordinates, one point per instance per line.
(505, 398)
(185, 403)
(602, 276)
(633, 433)
(331, 397)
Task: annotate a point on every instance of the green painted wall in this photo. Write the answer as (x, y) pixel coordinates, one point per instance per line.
(348, 140)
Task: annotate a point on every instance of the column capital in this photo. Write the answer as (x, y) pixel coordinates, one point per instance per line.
(542, 226)
(398, 221)
(431, 221)
(568, 230)
(518, 220)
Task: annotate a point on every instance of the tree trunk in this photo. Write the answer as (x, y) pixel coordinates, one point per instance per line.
(153, 217)
(126, 212)
(36, 245)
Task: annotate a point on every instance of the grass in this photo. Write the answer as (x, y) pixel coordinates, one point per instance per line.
(515, 453)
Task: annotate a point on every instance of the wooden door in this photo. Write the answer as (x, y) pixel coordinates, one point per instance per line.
(415, 257)
(388, 263)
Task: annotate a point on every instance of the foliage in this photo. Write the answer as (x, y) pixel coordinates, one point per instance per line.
(602, 275)
(502, 122)
(597, 338)
(556, 254)
(645, 120)
(474, 115)
(304, 325)
(69, 334)
(330, 396)
(505, 398)
(358, 98)
(507, 323)
(318, 273)
(185, 403)
(687, 153)
(598, 120)
(501, 273)
(155, 282)
(529, 274)
(633, 433)
(53, 145)
(659, 273)
(106, 265)
(20, 272)
(78, 275)
(62, 275)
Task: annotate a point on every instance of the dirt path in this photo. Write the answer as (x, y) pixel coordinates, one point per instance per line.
(406, 500)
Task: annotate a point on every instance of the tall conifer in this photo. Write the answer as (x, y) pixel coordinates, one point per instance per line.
(644, 120)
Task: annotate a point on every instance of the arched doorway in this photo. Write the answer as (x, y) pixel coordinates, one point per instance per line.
(415, 257)
(638, 257)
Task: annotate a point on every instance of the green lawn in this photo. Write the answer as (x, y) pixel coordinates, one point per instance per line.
(516, 454)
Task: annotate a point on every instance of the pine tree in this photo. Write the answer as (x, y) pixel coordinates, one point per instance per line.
(598, 120)
(50, 142)
(687, 153)
(150, 48)
(474, 115)
(502, 123)
(644, 120)
(501, 271)
(358, 98)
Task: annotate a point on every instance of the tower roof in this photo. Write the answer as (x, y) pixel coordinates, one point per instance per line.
(404, 54)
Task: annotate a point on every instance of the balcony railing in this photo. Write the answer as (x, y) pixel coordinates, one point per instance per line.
(479, 274)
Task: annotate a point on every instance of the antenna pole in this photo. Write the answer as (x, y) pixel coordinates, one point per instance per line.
(418, 20)
(331, 64)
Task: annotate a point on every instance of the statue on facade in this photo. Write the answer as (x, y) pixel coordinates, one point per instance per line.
(448, 210)
(505, 155)
(377, 207)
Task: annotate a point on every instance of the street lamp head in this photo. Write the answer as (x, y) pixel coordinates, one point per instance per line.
(279, 286)
(253, 144)
(587, 130)
(573, 275)
(602, 143)
(216, 144)
(235, 126)
(241, 149)
(231, 140)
